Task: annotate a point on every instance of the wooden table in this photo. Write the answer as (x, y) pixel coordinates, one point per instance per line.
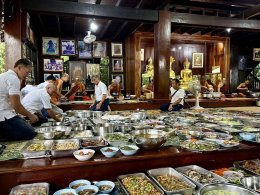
(59, 172)
(155, 104)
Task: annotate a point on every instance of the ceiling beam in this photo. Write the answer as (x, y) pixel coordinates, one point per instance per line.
(250, 13)
(225, 22)
(206, 31)
(89, 10)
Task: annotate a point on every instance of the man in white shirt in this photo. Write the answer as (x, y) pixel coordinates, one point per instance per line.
(177, 97)
(49, 79)
(39, 99)
(101, 101)
(29, 87)
(13, 127)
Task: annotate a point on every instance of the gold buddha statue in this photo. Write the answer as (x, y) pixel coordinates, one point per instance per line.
(149, 72)
(172, 73)
(186, 74)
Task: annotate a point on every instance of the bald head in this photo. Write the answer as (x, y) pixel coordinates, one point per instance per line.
(51, 88)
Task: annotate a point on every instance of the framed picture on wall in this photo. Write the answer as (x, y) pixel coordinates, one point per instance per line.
(57, 76)
(68, 47)
(53, 64)
(197, 60)
(99, 49)
(117, 65)
(77, 69)
(45, 75)
(117, 49)
(84, 50)
(256, 54)
(120, 79)
(50, 46)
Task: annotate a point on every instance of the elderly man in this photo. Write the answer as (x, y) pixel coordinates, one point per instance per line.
(13, 127)
(101, 100)
(39, 99)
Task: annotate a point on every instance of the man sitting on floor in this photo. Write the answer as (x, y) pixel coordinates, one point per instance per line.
(177, 97)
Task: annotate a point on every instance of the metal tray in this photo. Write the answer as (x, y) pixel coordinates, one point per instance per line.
(200, 170)
(143, 176)
(100, 140)
(238, 164)
(37, 154)
(170, 171)
(64, 152)
(2, 148)
(27, 188)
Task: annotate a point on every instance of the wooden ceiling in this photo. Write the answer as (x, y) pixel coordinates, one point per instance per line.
(67, 25)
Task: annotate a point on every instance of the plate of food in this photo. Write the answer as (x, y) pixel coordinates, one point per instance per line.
(228, 143)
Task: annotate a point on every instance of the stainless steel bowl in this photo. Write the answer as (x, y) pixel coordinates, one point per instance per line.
(251, 182)
(229, 187)
(149, 138)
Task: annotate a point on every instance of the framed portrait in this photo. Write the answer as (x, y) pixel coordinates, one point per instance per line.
(50, 46)
(57, 76)
(99, 49)
(45, 76)
(120, 79)
(256, 54)
(92, 69)
(68, 47)
(197, 60)
(117, 49)
(77, 69)
(52, 64)
(84, 50)
(117, 65)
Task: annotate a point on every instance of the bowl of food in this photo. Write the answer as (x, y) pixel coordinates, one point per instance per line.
(90, 189)
(83, 154)
(251, 183)
(109, 151)
(65, 192)
(78, 183)
(247, 136)
(149, 138)
(105, 187)
(129, 150)
(218, 189)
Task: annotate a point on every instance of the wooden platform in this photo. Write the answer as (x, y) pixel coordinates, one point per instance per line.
(155, 104)
(59, 172)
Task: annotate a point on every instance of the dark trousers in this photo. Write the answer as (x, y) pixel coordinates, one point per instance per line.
(165, 107)
(16, 128)
(104, 106)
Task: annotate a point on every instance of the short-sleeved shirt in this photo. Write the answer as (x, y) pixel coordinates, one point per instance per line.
(9, 85)
(42, 85)
(100, 90)
(179, 94)
(27, 89)
(37, 100)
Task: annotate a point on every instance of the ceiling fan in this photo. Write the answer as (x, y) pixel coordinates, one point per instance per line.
(89, 38)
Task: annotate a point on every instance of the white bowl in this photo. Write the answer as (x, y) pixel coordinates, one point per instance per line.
(247, 136)
(109, 154)
(84, 154)
(109, 183)
(63, 191)
(129, 152)
(89, 187)
(80, 181)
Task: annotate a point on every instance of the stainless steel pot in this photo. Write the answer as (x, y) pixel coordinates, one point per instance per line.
(149, 138)
(102, 129)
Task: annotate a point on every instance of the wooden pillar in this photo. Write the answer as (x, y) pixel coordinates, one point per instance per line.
(133, 65)
(226, 68)
(13, 35)
(162, 44)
